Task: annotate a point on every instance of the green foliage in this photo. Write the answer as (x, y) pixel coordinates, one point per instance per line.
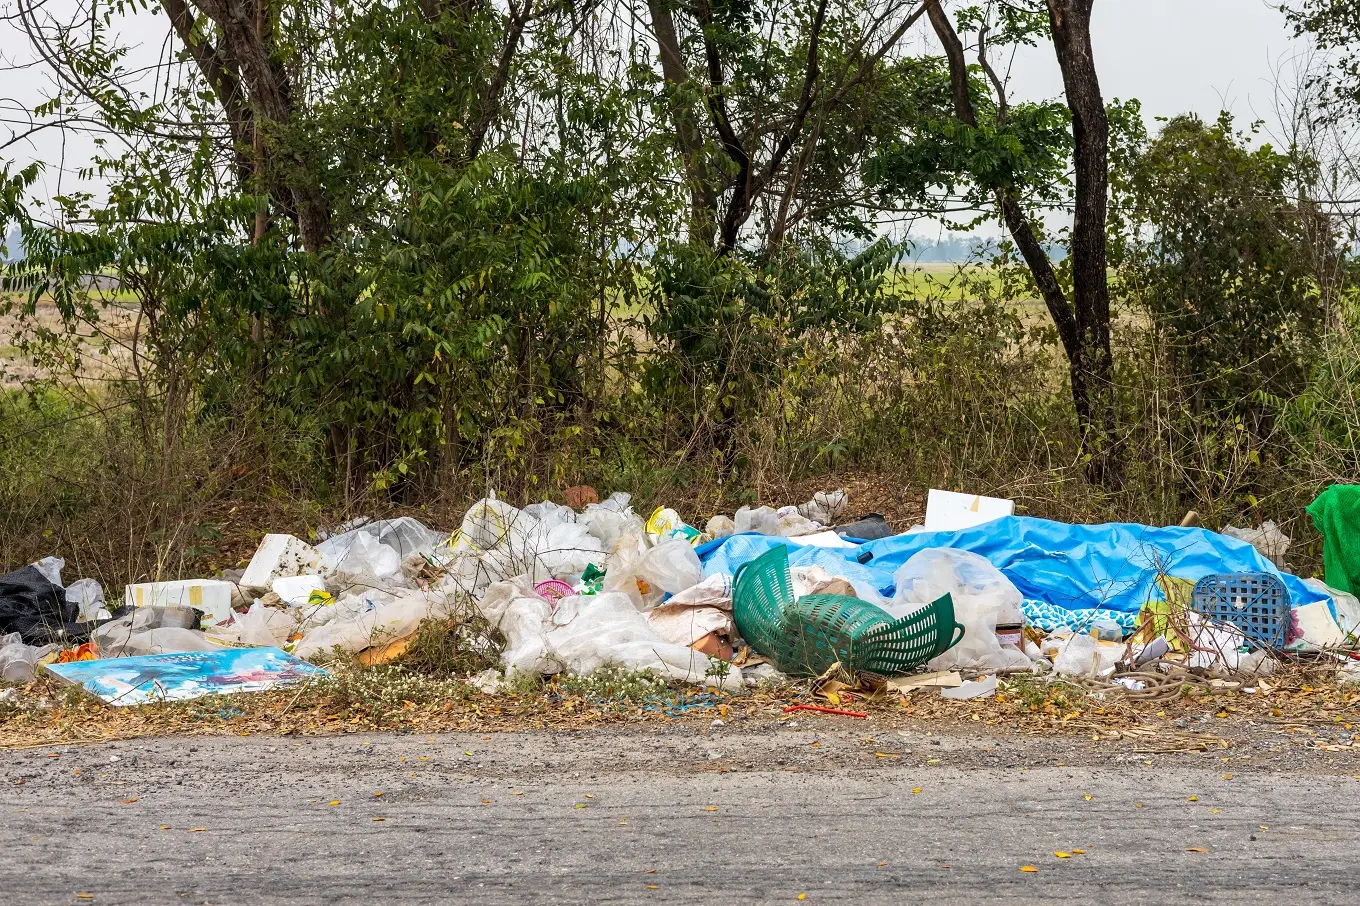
(1225, 260)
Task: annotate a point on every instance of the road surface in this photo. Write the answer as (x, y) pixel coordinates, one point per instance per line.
(717, 817)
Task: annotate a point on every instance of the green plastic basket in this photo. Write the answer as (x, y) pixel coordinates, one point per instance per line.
(806, 636)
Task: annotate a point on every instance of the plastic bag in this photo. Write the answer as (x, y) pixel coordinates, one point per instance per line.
(264, 627)
(562, 550)
(612, 519)
(1267, 538)
(88, 597)
(376, 626)
(826, 507)
(759, 519)
(19, 662)
(1345, 606)
(51, 568)
(1083, 655)
(589, 632)
(37, 609)
(982, 597)
(671, 566)
(720, 526)
(360, 559)
(550, 513)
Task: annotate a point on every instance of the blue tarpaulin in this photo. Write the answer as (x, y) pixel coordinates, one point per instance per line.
(1110, 567)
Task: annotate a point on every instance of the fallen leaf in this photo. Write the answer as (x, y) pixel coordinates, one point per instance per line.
(802, 896)
(1196, 849)
(882, 864)
(1227, 777)
(195, 830)
(128, 801)
(1264, 826)
(916, 790)
(886, 755)
(517, 793)
(589, 796)
(165, 827)
(653, 886)
(84, 896)
(623, 823)
(468, 754)
(710, 808)
(379, 819)
(486, 802)
(1078, 852)
(1215, 811)
(1028, 868)
(1062, 855)
(1087, 796)
(1193, 799)
(650, 871)
(377, 793)
(334, 802)
(1138, 805)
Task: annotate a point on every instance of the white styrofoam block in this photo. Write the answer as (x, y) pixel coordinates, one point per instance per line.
(949, 511)
(295, 590)
(279, 556)
(212, 596)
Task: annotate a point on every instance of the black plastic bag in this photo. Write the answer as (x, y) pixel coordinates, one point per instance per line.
(38, 610)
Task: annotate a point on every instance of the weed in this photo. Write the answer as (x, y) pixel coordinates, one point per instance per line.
(614, 683)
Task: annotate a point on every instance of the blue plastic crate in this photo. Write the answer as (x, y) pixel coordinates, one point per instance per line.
(1256, 603)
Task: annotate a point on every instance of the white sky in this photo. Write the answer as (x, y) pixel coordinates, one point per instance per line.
(1173, 55)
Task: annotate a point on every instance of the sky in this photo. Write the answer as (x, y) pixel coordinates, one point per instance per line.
(1175, 56)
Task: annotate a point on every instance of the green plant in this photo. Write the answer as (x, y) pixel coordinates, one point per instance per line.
(612, 683)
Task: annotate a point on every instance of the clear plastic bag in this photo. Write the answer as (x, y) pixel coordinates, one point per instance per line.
(982, 597)
(671, 566)
(589, 632)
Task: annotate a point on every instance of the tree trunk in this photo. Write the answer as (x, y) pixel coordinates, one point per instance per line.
(1083, 323)
(1071, 21)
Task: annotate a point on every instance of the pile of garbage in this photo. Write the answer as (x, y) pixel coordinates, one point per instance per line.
(575, 588)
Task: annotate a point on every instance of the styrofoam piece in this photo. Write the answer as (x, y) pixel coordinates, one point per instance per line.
(279, 556)
(949, 511)
(295, 590)
(212, 596)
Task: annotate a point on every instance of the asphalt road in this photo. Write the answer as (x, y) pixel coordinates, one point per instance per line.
(676, 817)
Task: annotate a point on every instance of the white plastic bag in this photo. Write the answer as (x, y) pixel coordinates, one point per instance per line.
(377, 626)
(1083, 655)
(981, 595)
(671, 566)
(826, 507)
(720, 526)
(759, 519)
(18, 661)
(88, 595)
(612, 519)
(523, 617)
(51, 568)
(1267, 538)
(591, 631)
(358, 558)
(264, 627)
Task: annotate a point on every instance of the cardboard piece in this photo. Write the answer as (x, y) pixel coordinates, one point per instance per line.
(948, 511)
(940, 679)
(188, 675)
